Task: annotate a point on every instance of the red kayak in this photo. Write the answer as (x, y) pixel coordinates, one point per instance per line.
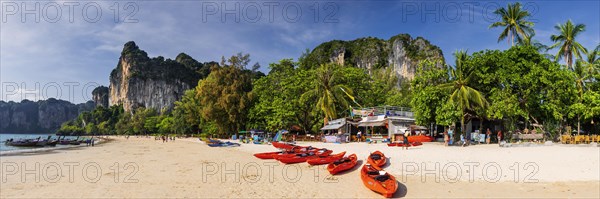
(326, 160)
(420, 138)
(342, 164)
(402, 144)
(377, 159)
(283, 145)
(318, 152)
(268, 155)
(302, 157)
(378, 180)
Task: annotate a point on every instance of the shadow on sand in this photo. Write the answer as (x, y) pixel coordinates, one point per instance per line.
(401, 192)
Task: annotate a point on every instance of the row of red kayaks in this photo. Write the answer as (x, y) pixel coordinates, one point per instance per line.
(290, 154)
(372, 174)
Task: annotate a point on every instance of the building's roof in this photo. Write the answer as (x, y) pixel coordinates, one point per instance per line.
(332, 126)
(378, 120)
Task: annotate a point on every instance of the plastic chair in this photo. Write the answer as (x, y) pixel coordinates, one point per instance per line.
(565, 139)
(587, 139)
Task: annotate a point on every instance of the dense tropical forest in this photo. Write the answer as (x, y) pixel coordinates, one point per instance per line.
(519, 86)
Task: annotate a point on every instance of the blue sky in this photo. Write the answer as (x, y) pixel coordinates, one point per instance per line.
(73, 48)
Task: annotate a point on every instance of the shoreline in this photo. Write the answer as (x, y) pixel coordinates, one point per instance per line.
(187, 167)
(44, 150)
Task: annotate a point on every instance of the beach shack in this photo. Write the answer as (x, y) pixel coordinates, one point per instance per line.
(398, 125)
(337, 130)
(375, 127)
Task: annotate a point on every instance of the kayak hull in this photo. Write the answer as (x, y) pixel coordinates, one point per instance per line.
(379, 181)
(267, 155)
(326, 160)
(402, 144)
(291, 155)
(420, 138)
(348, 163)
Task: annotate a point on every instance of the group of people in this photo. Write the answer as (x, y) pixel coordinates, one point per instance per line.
(166, 138)
(449, 137)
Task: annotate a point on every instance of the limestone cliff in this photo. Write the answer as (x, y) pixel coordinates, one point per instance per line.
(401, 52)
(100, 96)
(44, 116)
(140, 81)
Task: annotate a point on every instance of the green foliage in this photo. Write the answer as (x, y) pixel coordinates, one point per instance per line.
(226, 96)
(514, 21)
(99, 121)
(519, 84)
(429, 101)
(166, 125)
(187, 114)
(369, 49)
(461, 86)
(278, 105)
(565, 42)
(331, 94)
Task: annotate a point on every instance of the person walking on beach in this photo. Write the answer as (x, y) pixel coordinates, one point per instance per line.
(450, 137)
(405, 141)
(358, 136)
(446, 138)
(488, 134)
(499, 136)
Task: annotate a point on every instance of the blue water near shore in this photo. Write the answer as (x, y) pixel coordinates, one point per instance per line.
(4, 137)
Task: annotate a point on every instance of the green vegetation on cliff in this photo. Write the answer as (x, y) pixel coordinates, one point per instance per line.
(372, 52)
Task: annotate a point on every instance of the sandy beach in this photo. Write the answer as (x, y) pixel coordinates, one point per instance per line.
(187, 168)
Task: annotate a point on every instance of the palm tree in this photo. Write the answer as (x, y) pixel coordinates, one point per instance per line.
(581, 75)
(514, 19)
(329, 92)
(592, 61)
(566, 40)
(527, 40)
(466, 97)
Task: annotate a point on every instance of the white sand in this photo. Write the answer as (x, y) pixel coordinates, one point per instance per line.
(188, 168)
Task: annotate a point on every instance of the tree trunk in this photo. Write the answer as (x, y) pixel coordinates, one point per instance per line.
(578, 124)
(462, 125)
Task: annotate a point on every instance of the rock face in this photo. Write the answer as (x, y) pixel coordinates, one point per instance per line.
(100, 96)
(44, 116)
(140, 81)
(401, 52)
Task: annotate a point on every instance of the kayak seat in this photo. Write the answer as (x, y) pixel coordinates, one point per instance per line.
(375, 156)
(382, 178)
(373, 173)
(341, 161)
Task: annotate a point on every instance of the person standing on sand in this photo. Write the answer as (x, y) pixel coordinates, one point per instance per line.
(488, 134)
(450, 137)
(499, 136)
(446, 138)
(405, 141)
(358, 136)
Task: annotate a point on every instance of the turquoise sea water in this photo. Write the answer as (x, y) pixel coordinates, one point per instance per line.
(4, 137)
